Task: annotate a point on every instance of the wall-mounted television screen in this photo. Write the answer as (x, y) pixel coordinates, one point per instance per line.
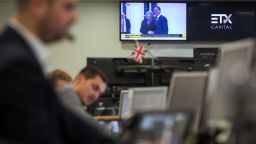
(153, 21)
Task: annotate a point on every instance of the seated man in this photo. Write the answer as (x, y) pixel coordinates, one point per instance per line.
(87, 87)
(60, 78)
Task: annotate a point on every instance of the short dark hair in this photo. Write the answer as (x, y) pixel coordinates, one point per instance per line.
(91, 72)
(158, 7)
(23, 3)
(59, 74)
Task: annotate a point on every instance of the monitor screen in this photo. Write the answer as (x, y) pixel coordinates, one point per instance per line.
(125, 104)
(112, 126)
(148, 98)
(139, 99)
(233, 71)
(186, 92)
(161, 128)
(153, 21)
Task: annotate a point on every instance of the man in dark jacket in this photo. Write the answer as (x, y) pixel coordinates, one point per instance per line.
(161, 22)
(30, 111)
(125, 24)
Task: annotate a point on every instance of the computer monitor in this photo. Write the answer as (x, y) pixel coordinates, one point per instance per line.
(113, 126)
(159, 128)
(233, 71)
(186, 92)
(141, 99)
(125, 104)
(148, 98)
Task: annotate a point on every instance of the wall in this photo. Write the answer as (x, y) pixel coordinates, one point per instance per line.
(6, 10)
(97, 35)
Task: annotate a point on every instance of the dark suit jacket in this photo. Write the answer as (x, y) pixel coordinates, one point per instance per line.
(128, 26)
(162, 25)
(30, 111)
(145, 27)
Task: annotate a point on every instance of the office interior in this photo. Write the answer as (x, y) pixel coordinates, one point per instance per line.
(205, 89)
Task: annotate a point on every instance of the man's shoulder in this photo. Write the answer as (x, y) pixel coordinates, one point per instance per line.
(72, 101)
(163, 17)
(127, 19)
(12, 48)
(144, 21)
(67, 95)
(64, 91)
(10, 39)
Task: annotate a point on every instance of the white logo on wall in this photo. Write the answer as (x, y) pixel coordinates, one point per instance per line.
(221, 21)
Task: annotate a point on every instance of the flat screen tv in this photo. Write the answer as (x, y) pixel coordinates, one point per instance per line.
(153, 21)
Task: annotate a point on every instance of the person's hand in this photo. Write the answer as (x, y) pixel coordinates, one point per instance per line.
(150, 32)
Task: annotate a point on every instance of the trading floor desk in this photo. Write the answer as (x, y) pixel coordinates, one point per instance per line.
(110, 117)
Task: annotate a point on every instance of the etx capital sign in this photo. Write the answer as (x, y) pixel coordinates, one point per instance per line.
(221, 21)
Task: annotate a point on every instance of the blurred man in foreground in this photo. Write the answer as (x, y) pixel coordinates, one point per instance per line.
(30, 111)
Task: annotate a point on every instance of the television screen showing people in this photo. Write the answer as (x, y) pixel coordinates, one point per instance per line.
(153, 21)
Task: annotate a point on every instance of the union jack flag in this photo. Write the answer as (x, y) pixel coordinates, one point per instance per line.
(138, 53)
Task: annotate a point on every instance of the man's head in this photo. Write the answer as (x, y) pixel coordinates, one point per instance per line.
(48, 19)
(60, 78)
(157, 10)
(89, 84)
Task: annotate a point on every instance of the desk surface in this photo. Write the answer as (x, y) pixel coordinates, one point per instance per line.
(110, 117)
